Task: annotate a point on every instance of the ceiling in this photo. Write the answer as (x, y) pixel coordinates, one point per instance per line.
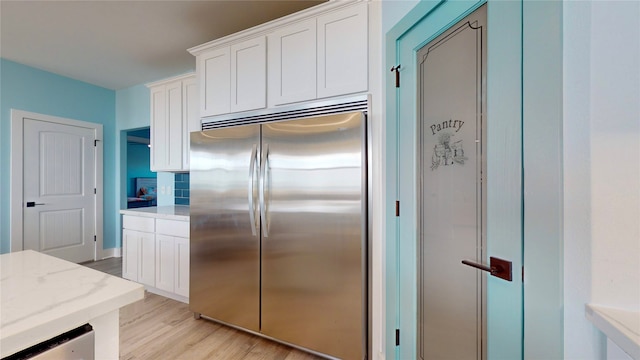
(117, 44)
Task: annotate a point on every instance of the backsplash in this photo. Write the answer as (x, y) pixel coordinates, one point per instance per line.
(181, 187)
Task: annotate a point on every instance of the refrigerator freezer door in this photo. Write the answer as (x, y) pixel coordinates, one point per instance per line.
(313, 261)
(225, 242)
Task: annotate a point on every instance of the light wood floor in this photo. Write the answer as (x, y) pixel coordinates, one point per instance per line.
(161, 328)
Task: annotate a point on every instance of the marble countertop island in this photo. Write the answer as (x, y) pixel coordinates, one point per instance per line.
(175, 212)
(43, 296)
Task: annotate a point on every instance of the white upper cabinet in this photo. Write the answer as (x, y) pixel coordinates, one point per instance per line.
(292, 63)
(174, 113)
(174, 144)
(214, 68)
(159, 128)
(342, 51)
(316, 53)
(249, 75)
(234, 78)
(191, 116)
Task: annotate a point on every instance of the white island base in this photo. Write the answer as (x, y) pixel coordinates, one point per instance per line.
(43, 296)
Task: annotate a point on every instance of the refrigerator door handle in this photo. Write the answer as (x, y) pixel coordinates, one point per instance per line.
(263, 184)
(252, 209)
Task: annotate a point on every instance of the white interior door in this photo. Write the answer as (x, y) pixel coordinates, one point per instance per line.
(451, 97)
(59, 178)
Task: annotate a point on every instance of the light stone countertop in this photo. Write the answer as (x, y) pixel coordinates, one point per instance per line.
(176, 212)
(619, 325)
(43, 296)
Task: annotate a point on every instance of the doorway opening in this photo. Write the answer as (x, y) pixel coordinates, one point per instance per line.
(141, 182)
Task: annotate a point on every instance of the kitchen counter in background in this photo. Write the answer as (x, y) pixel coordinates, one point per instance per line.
(155, 249)
(177, 212)
(43, 296)
(622, 328)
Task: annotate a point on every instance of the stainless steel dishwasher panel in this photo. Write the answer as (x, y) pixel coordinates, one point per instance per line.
(76, 344)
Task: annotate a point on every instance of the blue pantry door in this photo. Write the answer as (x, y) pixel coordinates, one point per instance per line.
(455, 129)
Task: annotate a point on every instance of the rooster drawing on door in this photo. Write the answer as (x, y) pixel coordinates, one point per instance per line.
(447, 153)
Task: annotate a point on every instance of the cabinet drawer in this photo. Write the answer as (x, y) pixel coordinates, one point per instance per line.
(138, 223)
(172, 227)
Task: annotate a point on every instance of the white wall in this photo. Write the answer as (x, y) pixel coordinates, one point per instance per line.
(615, 153)
(601, 166)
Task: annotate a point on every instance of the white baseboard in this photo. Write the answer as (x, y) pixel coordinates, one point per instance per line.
(109, 253)
(167, 294)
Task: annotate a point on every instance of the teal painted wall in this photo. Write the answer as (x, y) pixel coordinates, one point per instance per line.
(132, 109)
(29, 89)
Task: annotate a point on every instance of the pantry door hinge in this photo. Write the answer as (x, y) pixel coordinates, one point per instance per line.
(95, 191)
(397, 207)
(397, 337)
(95, 142)
(95, 238)
(397, 70)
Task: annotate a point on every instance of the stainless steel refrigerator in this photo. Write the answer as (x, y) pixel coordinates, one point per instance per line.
(279, 231)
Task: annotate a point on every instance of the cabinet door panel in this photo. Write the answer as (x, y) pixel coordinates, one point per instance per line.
(159, 128)
(213, 71)
(249, 75)
(292, 63)
(174, 123)
(181, 285)
(130, 254)
(342, 51)
(165, 263)
(147, 259)
(191, 117)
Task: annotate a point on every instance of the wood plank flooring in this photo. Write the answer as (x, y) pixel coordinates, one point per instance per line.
(161, 328)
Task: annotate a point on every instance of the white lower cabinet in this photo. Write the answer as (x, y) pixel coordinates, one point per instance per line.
(181, 285)
(156, 254)
(138, 263)
(130, 254)
(165, 262)
(147, 259)
(172, 264)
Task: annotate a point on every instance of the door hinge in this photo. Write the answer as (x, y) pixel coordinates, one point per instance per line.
(397, 337)
(95, 191)
(522, 273)
(95, 142)
(95, 238)
(397, 207)
(397, 70)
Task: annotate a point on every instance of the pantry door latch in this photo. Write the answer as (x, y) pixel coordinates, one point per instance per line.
(497, 267)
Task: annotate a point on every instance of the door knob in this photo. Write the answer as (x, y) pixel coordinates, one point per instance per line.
(497, 267)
